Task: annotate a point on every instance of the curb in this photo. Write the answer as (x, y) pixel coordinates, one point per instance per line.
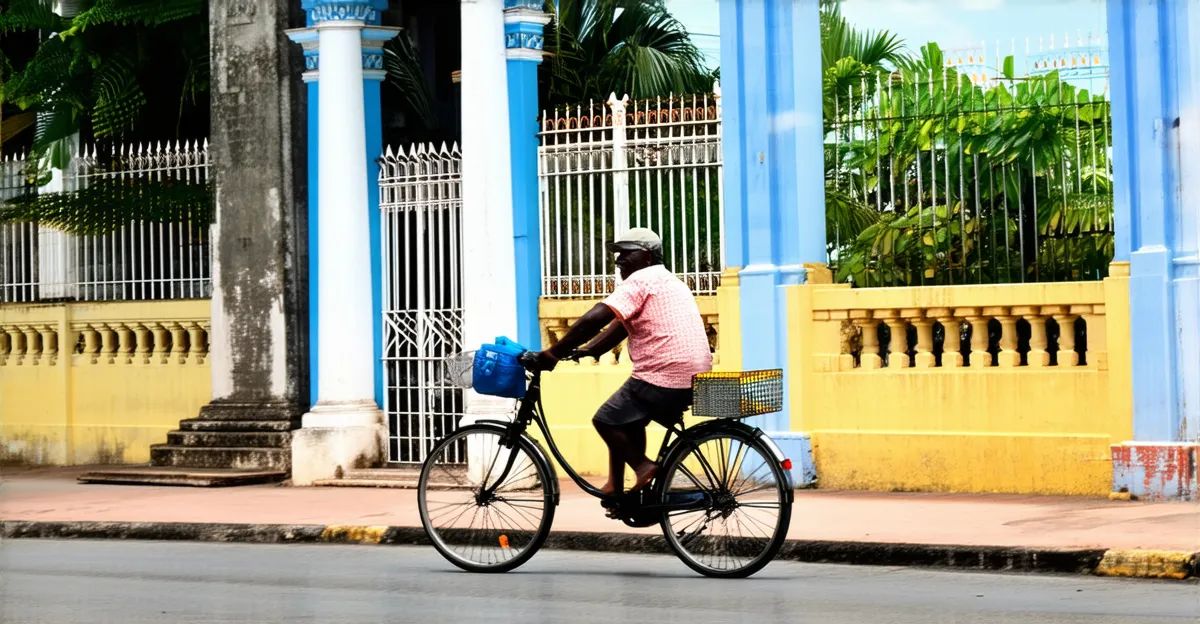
(1121, 563)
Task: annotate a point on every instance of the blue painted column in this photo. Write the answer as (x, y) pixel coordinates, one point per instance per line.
(373, 39)
(774, 178)
(523, 35)
(1154, 45)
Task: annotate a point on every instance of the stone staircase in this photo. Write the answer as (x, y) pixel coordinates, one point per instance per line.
(221, 447)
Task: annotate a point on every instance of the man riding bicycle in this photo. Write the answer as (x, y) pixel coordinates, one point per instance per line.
(667, 344)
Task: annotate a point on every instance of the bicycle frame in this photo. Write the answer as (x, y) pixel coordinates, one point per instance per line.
(532, 411)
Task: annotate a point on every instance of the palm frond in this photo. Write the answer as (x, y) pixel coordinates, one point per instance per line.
(134, 12)
(108, 204)
(634, 47)
(403, 68)
(117, 95)
(26, 15)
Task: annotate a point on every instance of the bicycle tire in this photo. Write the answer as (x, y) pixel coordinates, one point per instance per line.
(745, 438)
(449, 541)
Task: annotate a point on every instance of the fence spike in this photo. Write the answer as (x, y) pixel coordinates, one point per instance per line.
(443, 151)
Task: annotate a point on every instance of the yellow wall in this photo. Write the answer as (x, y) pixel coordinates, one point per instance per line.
(1015, 429)
(99, 382)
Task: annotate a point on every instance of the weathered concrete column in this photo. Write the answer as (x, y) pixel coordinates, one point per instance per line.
(257, 340)
(489, 276)
(344, 428)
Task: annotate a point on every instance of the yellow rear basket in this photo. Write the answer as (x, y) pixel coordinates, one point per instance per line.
(737, 394)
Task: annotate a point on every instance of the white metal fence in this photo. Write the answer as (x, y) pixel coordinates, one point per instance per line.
(139, 260)
(420, 197)
(603, 168)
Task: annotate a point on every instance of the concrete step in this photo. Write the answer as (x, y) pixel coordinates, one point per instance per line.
(146, 475)
(230, 439)
(405, 476)
(241, 458)
(205, 424)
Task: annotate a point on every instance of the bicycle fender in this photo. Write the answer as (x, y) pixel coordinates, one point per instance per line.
(757, 434)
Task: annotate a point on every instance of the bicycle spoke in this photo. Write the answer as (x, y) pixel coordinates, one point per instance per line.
(493, 532)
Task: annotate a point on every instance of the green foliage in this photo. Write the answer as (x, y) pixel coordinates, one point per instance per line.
(95, 73)
(627, 47)
(973, 185)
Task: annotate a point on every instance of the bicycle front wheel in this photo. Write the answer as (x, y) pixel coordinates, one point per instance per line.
(748, 508)
(486, 506)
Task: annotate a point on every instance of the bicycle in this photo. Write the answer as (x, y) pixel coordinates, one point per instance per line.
(715, 478)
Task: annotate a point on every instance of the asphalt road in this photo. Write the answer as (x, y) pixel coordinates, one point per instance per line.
(63, 582)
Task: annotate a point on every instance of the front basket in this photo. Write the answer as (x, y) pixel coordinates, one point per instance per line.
(737, 394)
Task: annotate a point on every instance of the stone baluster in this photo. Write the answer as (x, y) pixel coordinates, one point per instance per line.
(142, 336)
(162, 343)
(179, 344)
(125, 343)
(16, 341)
(33, 348)
(952, 343)
(1097, 334)
(5, 346)
(49, 337)
(898, 345)
(980, 358)
(197, 344)
(1067, 356)
(868, 358)
(924, 325)
(1038, 356)
(1009, 356)
(108, 342)
(713, 325)
(91, 343)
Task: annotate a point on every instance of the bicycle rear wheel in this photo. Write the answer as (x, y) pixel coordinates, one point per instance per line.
(749, 511)
(486, 507)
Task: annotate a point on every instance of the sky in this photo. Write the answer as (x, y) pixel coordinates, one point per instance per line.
(951, 23)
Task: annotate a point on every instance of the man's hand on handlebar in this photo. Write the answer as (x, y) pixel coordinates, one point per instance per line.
(545, 361)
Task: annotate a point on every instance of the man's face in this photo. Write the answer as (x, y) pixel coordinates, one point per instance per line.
(629, 262)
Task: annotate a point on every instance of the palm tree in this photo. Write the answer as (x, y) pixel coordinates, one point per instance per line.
(627, 47)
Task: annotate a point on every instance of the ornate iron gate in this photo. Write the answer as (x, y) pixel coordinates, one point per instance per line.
(420, 196)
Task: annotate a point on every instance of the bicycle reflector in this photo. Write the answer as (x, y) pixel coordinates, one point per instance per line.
(787, 464)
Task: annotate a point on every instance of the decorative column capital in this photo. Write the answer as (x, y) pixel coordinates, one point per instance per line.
(373, 39)
(366, 11)
(524, 25)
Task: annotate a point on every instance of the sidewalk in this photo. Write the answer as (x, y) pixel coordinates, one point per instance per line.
(999, 520)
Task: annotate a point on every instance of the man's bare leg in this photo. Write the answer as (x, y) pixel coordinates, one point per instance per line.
(617, 441)
(643, 469)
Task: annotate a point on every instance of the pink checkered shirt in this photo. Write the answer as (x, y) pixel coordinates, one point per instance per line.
(667, 343)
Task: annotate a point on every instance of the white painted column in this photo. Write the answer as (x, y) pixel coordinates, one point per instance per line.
(489, 275)
(344, 428)
(346, 384)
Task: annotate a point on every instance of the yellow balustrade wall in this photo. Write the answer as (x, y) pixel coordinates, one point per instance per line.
(573, 392)
(98, 383)
(1002, 418)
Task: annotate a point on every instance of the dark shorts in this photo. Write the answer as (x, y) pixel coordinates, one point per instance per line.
(638, 402)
